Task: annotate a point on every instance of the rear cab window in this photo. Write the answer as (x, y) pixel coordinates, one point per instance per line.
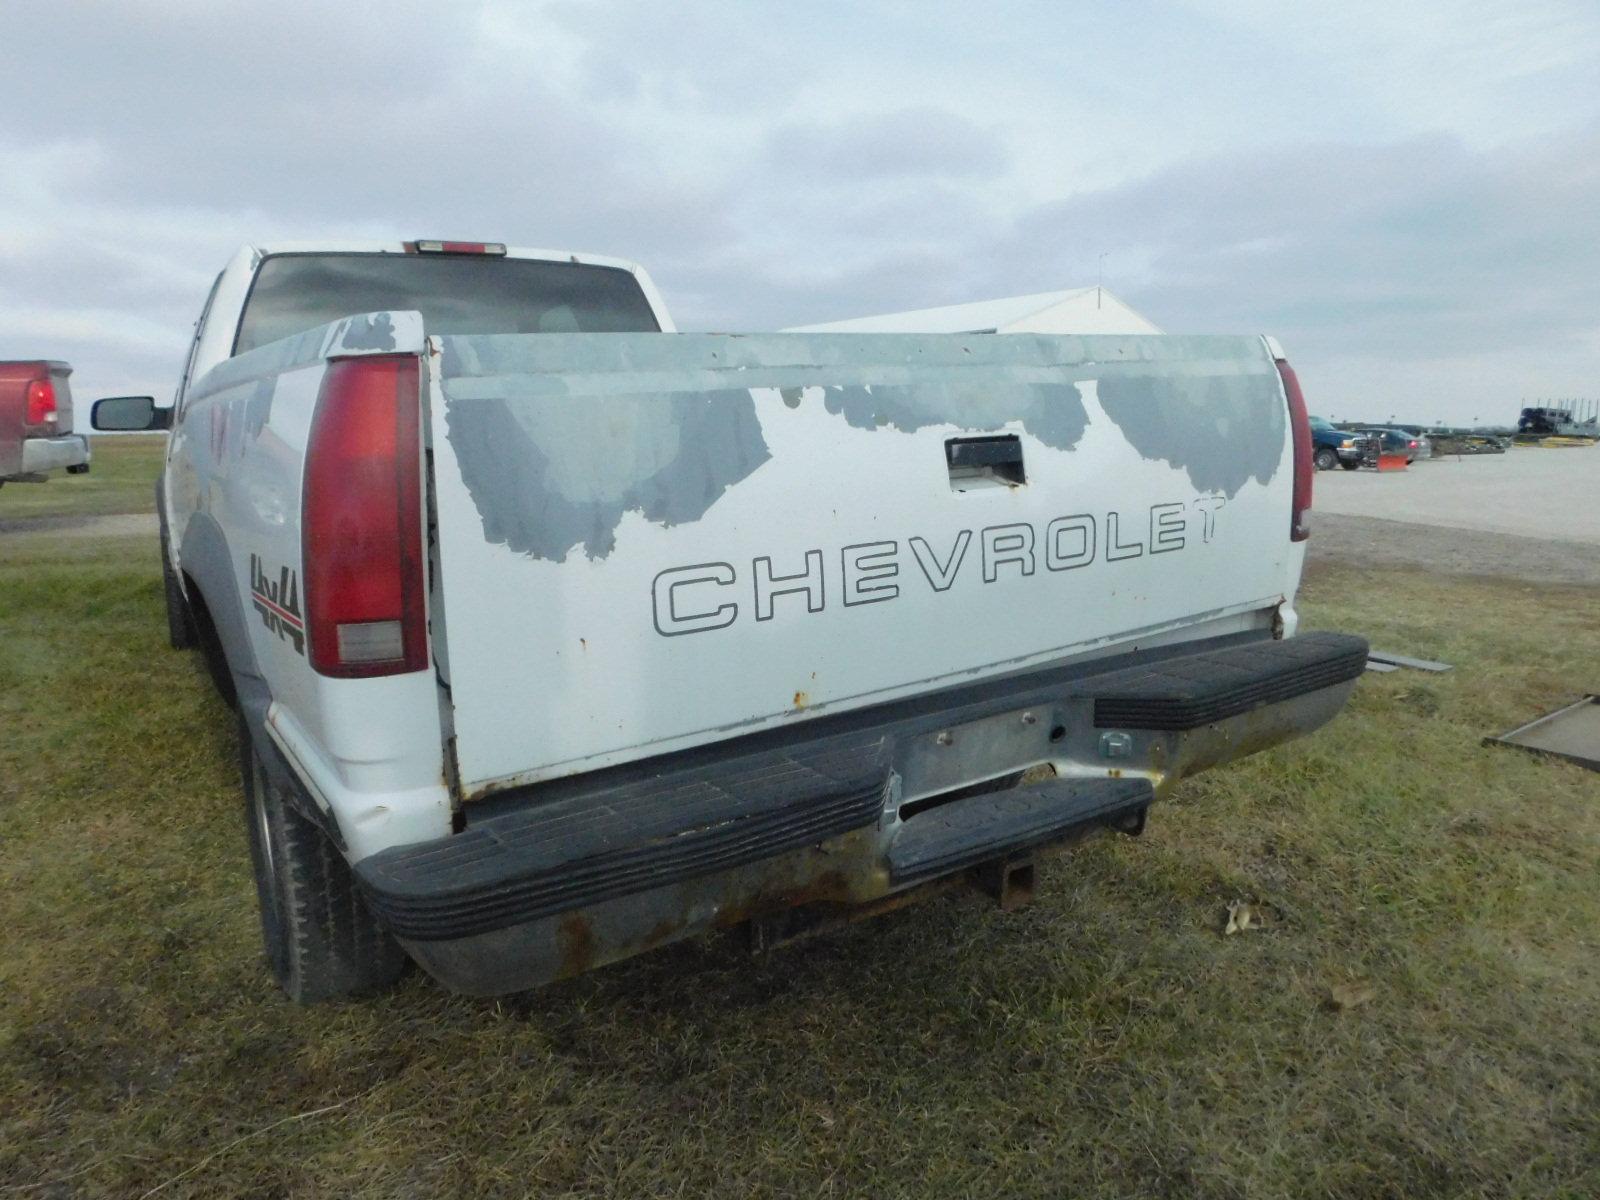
(456, 294)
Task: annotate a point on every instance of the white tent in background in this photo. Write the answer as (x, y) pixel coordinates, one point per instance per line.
(1080, 310)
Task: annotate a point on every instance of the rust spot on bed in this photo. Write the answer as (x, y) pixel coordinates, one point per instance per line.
(576, 939)
(660, 932)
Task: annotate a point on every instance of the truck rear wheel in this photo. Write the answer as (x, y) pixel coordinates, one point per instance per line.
(321, 940)
(180, 625)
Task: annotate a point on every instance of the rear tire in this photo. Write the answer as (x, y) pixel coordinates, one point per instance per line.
(321, 940)
(180, 625)
(1325, 459)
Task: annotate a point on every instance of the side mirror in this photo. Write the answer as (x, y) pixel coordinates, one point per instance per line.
(129, 414)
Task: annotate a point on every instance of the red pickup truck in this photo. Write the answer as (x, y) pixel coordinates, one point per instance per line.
(36, 422)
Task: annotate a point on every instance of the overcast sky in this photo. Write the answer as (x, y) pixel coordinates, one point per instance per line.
(1407, 195)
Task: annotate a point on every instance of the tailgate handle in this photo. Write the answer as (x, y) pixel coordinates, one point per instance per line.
(976, 460)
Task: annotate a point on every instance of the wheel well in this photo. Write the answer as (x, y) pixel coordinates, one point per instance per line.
(211, 652)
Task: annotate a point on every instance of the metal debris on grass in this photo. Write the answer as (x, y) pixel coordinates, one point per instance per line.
(1571, 732)
(1382, 660)
(1242, 916)
(1345, 996)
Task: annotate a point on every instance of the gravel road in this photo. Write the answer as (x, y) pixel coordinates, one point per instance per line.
(1336, 537)
(1536, 493)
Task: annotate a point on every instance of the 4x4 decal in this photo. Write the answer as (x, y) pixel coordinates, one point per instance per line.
(279, 603)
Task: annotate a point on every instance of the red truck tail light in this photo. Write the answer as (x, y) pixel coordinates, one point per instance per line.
(361, 522)
(41, 402)
(425, 246)
(1300, 430)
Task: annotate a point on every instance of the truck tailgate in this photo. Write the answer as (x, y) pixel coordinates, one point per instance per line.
(647, 542)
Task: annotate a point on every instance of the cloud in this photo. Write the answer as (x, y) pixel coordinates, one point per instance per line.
(1421, 251)
(1414, 274)
(912, 143)
(1486, 70)
(1402, 197)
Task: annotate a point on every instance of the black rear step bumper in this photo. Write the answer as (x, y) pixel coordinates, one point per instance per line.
(993, 825)
(556, 878)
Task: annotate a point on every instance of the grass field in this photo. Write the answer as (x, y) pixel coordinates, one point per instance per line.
(121, 479)
(1106, 1042)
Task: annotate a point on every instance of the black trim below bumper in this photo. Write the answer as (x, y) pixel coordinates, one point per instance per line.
(574, 843)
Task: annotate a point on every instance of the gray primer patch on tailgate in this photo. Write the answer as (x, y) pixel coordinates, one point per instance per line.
(549, 472)
(1221, 429)
(373, 331)
(367, 333)
(1052, 412)
(558, 435)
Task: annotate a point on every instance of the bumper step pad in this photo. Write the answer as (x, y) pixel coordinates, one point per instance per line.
(1199, 689)
(966, 832)
(643, 834)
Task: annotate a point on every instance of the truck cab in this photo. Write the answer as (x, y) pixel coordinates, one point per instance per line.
(1335, 447)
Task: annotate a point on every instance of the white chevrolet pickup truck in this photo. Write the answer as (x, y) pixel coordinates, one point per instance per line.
(555, 636)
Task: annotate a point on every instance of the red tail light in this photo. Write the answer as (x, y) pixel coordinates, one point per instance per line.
(41, 402)
(1300, 430)
(362, 521)
(424, 246)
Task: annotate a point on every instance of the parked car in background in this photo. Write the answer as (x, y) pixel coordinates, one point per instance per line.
(1424, 443)
(554, 637)
(1393, 441)
(36, 422)
(1334, 447)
